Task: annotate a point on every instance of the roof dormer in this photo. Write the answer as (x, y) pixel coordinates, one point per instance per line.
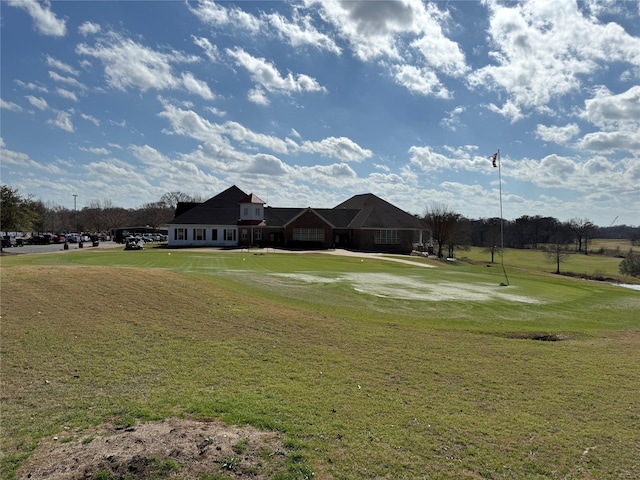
(251, 208)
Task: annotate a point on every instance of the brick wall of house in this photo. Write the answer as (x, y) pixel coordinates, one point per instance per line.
(309, 220)
(363, 240)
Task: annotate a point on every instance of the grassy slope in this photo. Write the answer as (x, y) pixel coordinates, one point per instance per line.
(374, 387)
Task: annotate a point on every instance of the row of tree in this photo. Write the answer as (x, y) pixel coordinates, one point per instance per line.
(25, 214)
(450, 229)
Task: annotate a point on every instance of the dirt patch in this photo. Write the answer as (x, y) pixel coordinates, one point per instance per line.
(172, 448)
(540, 337)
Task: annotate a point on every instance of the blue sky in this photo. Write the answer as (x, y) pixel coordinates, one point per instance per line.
(306, 103)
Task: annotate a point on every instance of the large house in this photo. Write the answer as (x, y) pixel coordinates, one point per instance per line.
(236, 219)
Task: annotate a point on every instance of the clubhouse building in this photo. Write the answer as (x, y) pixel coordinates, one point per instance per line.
(234, 218)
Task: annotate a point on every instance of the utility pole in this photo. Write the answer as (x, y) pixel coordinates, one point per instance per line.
(75, 213)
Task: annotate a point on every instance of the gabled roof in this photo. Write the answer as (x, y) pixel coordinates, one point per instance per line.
(374, 212)
(223, 209)
(231, 196)
(360, 211)
(251, 198)
(279, 217)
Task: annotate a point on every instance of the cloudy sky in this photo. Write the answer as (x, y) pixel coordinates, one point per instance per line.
(306, 103)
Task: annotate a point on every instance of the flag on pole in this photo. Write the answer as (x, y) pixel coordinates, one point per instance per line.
(494, 159)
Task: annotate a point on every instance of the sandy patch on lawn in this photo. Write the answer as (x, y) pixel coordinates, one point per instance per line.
(411, 288)
(172, 448)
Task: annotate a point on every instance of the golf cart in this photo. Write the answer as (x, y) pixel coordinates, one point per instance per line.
(133, 243)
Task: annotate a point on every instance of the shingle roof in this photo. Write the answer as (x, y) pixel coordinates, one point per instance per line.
(252, 198)
(374, 212)
(222, 209)
(360, 211)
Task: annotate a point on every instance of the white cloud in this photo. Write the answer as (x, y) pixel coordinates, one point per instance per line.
(128, 64)
(341, 148)
(210, 13)
(421, 81)
(190, 124)
(258, 96)
(428, 160)
(38, 102)
(211, 51)
(62, 121)
(607, 109)
(262, 164)
(91, 119)
(295, 133)
(559, 135)
(452, 120)
(22, 160)
(44, 19)
(13, 107)
(609, 142)
(438, 51)
(89, 28)
(334, 175)
(544, 48)
(197, 87)
(67, 94)
(301, 32)
(371, 27)
(597, 174)
(59, 65)
(216, 111)
(67, 80)
(31, 86)
(95, 150)
(267, 76)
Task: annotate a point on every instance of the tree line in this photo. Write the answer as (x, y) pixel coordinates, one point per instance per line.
(450, 230)
(21, 213)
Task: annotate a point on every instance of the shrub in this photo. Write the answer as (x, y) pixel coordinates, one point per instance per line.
(630, 265)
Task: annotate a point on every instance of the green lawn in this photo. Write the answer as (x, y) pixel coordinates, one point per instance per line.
(377, 369)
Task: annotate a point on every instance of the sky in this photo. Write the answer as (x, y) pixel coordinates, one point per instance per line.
(309, 102)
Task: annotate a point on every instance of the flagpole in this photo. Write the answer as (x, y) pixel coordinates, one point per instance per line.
(501, 219)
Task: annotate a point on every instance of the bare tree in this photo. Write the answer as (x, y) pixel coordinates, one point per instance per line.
(557, 249)
(155, 214)
(92, 216)
(171, 199)
(582, 228)
(443, 223)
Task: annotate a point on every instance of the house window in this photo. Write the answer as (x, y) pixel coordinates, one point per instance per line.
(180, 233)
(308, 235)
(199, 234)
(244, 234)
(257, 211)
(214, 234)
(229, 234)
(246, 211)
(386, 237)
(258, 234)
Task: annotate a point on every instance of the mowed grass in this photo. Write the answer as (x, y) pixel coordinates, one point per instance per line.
(591, 266)
(377, 369)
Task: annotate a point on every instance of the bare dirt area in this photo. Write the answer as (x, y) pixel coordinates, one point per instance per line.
(172, 448)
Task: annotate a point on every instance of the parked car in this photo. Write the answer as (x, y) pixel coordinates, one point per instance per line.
(8, 242)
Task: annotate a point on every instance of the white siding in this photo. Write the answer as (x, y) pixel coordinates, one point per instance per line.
(214, 236)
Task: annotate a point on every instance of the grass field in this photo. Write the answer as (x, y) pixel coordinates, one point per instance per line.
(373, 368)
